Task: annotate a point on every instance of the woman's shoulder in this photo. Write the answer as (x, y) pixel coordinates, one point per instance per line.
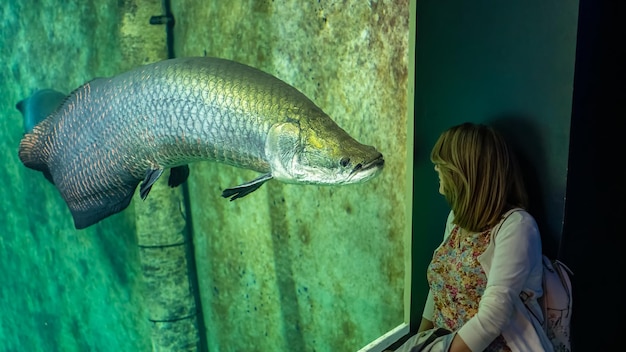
(519, 215)
(520, 220)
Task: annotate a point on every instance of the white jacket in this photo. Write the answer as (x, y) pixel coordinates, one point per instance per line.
(512, 263)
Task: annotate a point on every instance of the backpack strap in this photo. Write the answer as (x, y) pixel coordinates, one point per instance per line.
(496, 228)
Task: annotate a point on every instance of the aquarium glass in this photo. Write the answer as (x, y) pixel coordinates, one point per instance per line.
(290, 267)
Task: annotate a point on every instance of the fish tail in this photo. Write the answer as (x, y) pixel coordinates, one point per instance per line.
(38, 106)
(33, 153)
(36, 110)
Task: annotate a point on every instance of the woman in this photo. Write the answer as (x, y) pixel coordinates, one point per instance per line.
(476, 280)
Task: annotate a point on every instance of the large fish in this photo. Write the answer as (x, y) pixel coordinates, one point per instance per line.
(107, 136)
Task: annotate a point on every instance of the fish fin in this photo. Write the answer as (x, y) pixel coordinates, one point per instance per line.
(246, 188)
(152, 175)
(86, 215)
(178, 175)
(38, 106)
(35, 109)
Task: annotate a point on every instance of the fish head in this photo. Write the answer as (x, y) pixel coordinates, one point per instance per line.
(319, 153)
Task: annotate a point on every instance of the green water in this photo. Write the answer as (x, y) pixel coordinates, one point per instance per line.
(62, 289)
(289, 267)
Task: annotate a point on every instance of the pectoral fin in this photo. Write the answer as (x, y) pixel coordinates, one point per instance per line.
(152, 175)
(246, 188)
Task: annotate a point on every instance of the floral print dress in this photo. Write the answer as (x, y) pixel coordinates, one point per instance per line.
(457, 281)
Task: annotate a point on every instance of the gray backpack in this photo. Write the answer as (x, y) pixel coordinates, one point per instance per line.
(556, 304)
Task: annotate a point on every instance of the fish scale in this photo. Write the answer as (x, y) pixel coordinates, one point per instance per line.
(112, 133)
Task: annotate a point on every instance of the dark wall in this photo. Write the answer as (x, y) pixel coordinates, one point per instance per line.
(509, 64)
(594, 218)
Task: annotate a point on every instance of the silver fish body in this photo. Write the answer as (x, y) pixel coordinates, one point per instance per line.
(111, 133)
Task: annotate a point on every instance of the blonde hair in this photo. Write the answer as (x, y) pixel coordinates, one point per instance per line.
(481, 178)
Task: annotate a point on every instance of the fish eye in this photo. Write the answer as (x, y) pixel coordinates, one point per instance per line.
(344, 161)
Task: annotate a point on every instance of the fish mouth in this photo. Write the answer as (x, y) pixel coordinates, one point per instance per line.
(365, 171)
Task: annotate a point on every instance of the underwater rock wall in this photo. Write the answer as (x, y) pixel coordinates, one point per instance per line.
(294, 267)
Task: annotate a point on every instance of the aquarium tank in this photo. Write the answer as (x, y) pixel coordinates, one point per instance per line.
(289, 267)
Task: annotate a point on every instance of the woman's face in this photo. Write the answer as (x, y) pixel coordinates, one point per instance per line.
(440, 179)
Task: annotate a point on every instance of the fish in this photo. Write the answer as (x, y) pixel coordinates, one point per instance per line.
(113, 134)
